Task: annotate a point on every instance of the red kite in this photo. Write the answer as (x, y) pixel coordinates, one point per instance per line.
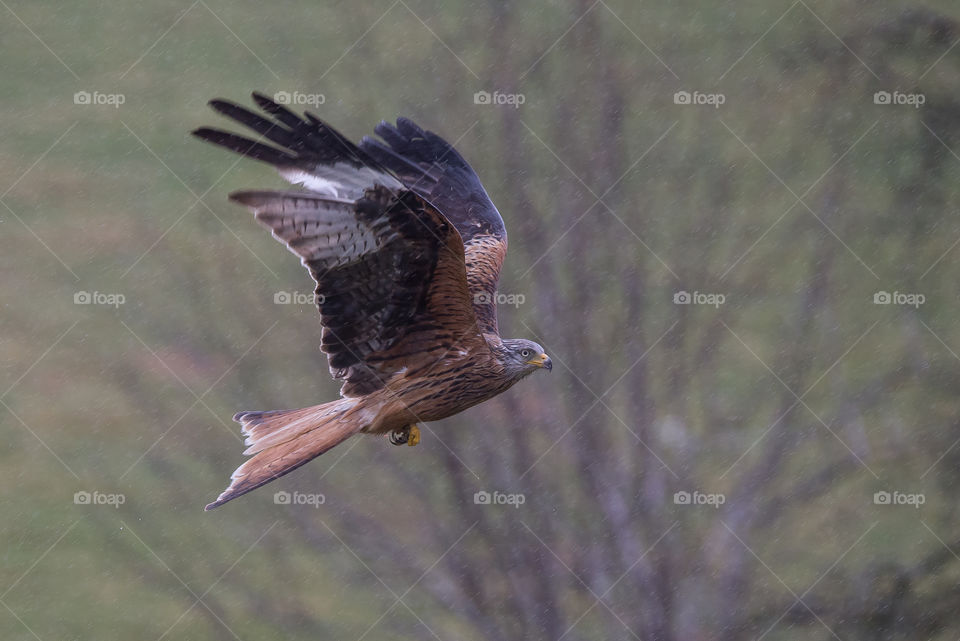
(405, 248)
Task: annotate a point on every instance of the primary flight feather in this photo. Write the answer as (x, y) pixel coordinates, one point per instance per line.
(406, 248)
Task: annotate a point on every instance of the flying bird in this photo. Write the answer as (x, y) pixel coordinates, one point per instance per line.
(405, 248)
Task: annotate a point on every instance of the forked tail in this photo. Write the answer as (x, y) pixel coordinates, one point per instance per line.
(283, 440)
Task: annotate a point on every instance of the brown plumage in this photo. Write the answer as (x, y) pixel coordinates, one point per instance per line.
(406, 249)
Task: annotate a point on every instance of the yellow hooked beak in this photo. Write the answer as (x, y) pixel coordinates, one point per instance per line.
(541, 361)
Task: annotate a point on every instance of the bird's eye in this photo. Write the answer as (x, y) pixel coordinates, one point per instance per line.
(525, 353)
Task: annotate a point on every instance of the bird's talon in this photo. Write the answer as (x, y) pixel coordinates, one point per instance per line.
(409, 435)
(401, 436)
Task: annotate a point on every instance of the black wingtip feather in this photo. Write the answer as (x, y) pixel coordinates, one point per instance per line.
(272, 131)
(277, 110)
(261, 97)
(217, 104)
(245, 146)
(409, 128)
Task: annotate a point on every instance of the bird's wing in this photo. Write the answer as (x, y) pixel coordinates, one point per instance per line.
(391, 284)
(431, 167)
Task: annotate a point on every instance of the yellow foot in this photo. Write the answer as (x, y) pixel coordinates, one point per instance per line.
(414, 437)
(409, 435)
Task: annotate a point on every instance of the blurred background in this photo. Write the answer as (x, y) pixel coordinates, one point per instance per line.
(733, 225)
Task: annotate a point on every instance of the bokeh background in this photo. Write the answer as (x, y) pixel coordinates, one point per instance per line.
(775, 459)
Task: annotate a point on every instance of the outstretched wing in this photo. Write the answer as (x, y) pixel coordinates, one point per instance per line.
(309, 152)
(391, 284)
(431, 167)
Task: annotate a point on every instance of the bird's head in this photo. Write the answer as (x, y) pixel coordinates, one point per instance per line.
(522, 357)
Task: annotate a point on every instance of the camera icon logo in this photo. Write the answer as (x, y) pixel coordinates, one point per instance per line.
(881, 498)
(482, 298)
(82, 98)
(882, 98)
(81, 498)
(882, 298)
(282, 498)
(282, 298)
(681, 298)
(282, 97)
(682, 98)
(82, 298)
(481, 498)
(681, 498)
(482, 98)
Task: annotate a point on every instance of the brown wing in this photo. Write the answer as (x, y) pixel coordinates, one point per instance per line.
(391, 283)
(431, 167)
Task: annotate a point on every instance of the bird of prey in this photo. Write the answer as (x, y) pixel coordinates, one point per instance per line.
(405, 248)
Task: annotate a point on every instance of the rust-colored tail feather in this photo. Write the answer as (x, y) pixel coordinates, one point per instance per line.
(283, 440)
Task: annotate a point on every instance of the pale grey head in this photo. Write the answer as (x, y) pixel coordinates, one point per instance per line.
(521, 357)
